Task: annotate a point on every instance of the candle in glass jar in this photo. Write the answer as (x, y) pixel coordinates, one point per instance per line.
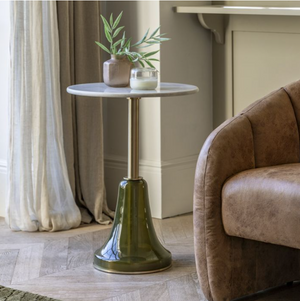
(143, 83)
(143, 79)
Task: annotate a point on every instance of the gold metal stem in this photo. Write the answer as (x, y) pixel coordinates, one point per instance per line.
(133, 138)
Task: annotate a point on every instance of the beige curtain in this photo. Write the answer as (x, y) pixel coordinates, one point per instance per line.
(39, 193)
(79, 28)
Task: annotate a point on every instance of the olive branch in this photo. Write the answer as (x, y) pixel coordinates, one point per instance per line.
(123, 46)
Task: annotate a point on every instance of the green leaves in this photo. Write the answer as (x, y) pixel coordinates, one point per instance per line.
(149, 64)
(142, 64)
(155, 32)
(152, 39)
(117, 20)
(111, 33)
(108, 36)
(118, 31)
(112, 30)
(151, 53)
(161, 39)
(111, 20)
(142, 40)
(102, 46)
(127, 44)
(106, 25)
(123, 40)
(117, 43)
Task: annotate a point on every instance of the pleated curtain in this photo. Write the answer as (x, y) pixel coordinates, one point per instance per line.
(39, 192)
(79, 28)
(56, 174)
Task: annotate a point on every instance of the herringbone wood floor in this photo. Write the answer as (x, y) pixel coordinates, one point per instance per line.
(59, 265)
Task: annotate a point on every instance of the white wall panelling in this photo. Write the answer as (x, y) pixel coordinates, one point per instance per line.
(261, 54)
(257, 55)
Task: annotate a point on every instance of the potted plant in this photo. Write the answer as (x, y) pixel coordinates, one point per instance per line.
(116, 71)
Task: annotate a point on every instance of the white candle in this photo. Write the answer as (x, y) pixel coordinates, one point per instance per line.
(143, 83)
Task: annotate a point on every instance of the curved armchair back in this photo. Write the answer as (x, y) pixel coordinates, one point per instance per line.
(274, 129)
(264, 134)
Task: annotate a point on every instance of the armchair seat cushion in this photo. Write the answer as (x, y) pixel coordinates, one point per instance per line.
(263, 204)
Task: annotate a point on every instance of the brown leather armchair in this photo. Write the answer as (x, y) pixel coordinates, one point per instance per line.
(247, 199)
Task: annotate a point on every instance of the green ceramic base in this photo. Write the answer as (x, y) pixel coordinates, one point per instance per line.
(132, 246)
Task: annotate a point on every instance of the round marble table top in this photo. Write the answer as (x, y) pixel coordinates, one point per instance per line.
(102, 90)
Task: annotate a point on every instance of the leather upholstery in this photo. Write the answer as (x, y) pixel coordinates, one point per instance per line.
(224, 154)
(264, 204)
(293, 92)
(275, 130)
(265, 134)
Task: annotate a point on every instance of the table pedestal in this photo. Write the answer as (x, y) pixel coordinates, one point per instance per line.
(132, 247)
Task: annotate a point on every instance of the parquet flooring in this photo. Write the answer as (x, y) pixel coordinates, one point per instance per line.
(59, 265)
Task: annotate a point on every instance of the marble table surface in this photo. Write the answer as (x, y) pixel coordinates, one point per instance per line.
(102, 90)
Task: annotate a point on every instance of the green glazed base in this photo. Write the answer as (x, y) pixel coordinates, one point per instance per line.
(132, 247)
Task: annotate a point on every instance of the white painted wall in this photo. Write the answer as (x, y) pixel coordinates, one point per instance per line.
(172, 130)
(4, 81)
(137, 18)
(186, 121)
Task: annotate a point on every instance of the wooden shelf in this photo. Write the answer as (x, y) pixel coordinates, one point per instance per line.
(212, 16)
(240, 10)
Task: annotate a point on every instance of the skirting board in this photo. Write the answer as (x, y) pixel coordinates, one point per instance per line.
(170, 183)
(3, 186)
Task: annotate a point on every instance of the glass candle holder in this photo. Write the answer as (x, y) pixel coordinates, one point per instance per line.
(143, 79)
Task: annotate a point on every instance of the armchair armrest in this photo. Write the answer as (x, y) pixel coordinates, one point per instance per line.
(228, 150)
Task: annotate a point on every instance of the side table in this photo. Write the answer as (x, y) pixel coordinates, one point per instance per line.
(132, 247)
